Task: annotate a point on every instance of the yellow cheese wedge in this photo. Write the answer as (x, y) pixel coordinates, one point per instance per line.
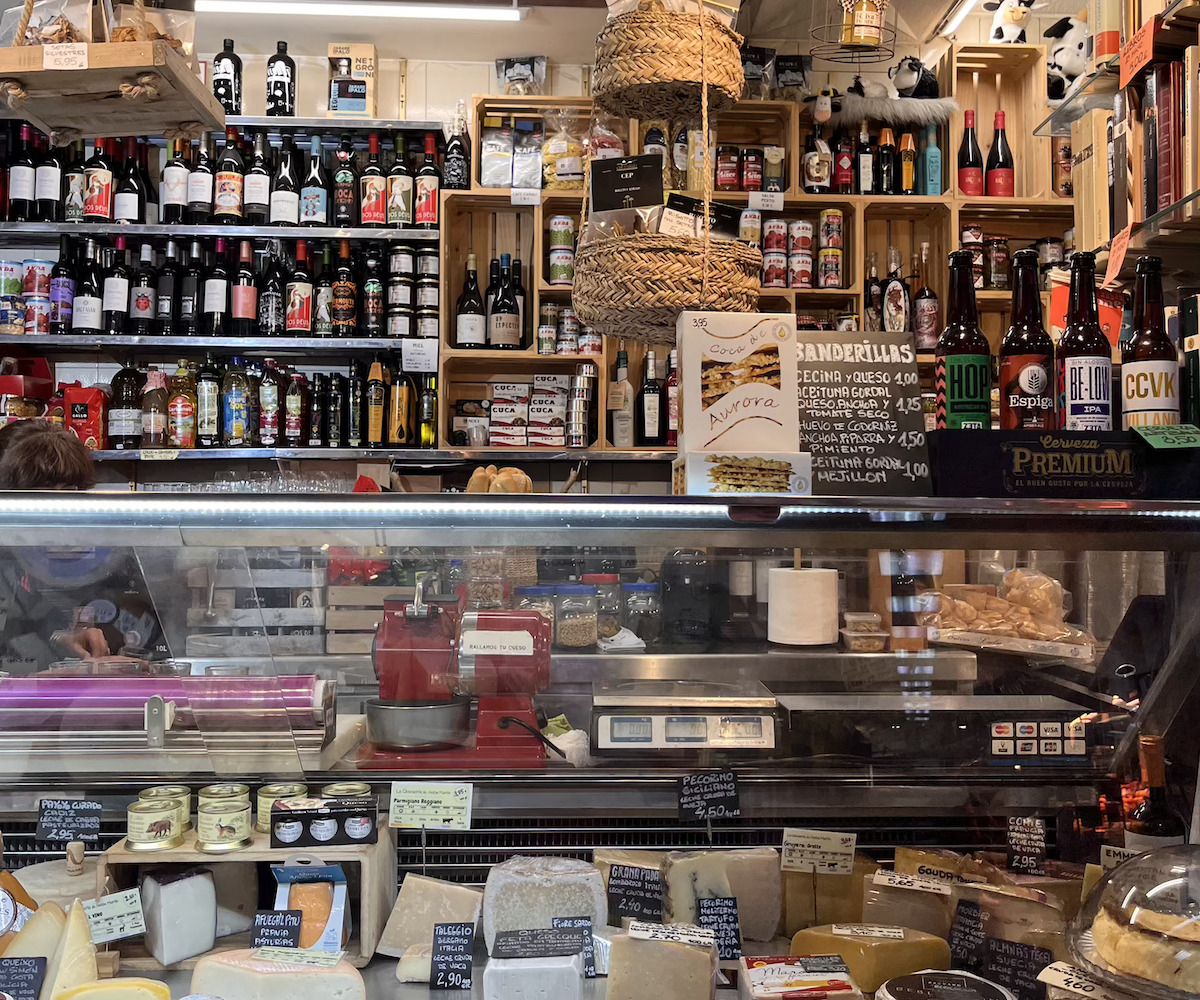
(39, 937)
(872, 961)
(74, 960)
(119, 989)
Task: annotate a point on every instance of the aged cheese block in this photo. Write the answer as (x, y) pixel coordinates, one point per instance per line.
(602, 939)
(873, 958)
(120, 989)
(238, 975)
(39, 936)
(181, 913)
(1025, 916)
(236, 885)
(558, 978)
(526, 893)
(800, 901)
(641, 969)
(421, 903)
(74, 960)
(917, 909)
(752, 876)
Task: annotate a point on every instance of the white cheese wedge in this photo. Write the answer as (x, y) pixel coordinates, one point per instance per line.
(751, 876)
(688, 876)
(236, 885)
(238, 975)
(40, 935)
(558, 978)
(74, 960)
(665, 970)
(120, 989)
(524, 893)
(421, 903)
(181, 914)
(602, 939)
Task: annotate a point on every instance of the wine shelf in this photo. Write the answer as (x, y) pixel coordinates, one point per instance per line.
(406, 456)
(266, 346)
(19, 234)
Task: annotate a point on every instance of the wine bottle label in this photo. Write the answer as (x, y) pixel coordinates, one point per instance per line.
(299, 307)
(86, 313)
(216, 293)
(673, 407)
(62, 295)
(268, 413)
(1150, 393)
(314, 206)
(245, 302)
(426, 207)
(964, 392)
(1085, 394)
(143, 303)
(181, 422)
(208, 411)
(293, 415)
(323, 311)
(926, 323)
(97, 199)
(843, 169)
(48, 183)
(504, 330)
(125, 207)
(400, 201)
(116, 294)
(285, 208)
(166, 299)
(344, 305)
(236, 412)
(270, 313)
(372, 200)
(1001, 183)
(256, 190)
(1147, 842)
(469, 330)
(22, 183)
(970, 181)
(866, 174)
(152, 216)
(73, 200)
(651, 412)
(228, 199)
(225, 84)
(124, 423)
(895, 307)
(200, 190)
(343, 195)
(174, 188)
(189, 300)
(817, 167)
(279, 88)
(1026, 393)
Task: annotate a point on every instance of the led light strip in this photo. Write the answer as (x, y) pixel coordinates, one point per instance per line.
(357, 8)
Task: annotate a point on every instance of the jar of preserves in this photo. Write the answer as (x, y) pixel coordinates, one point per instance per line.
(728, 168)
(995, 262)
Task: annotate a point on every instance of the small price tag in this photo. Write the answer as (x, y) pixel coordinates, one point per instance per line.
(299, 956)
(697, 937)
(70, 55)
(1116, 255)
(708, 795)
(766, 201)
(1137, 52)
(1027, 845)
(818, 851)
(1171, 436)
(720, 915)
(432, 805)
(1073, 980)
(451, 967)
(583, 924)
(892, 880)
(21, 978)
(634, 892)
(526, 196)
(868, 931)
(111, 918)
(160, 454)
(68, 819)
(616, 396)
(419, 354)
(1111, 857)
(276, 929)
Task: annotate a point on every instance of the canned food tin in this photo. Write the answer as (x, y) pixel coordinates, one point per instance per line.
(400, 322)
(830, 229)
(567, 342)
(346, 790)
(750, 227)
(12, 314)
(37, 314)
(428, 265)
(847, 322)
(1050, 250)
(548, 314)
(35, 277)
(829, 267)
(970, 234)
(223, 793)
(400, 291)
(402, 259)
(153, 825)
(268, 794)
(800, 270)
(578, 440)
(800, 235)
(562, 232)
(590, 342)
(223, 826)
(562, 266)
(428, 322)
(12, 275)
(775, 269)
(427, 293)
(179, 792)
(547, 337)
(775, 234)
(568, 321)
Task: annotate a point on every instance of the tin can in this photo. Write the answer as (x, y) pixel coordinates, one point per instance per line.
(567, 342)
(829, 231)
(37, 314)
(400, 291)
(995, 262)
(750, 226)
(562, 266)
(268, 794)
(223, 826)
(11, 277)
(402, 259)
(428, 264)
(846, 322)
(775, 269)
(222, 793)
(590, 342)
(829, 267)
(568, 321)
(427, 293)
(562, 232)
(547, 337)
(800, 235)
(976, 263)
(970, 234)
(12, 315)
(775, 234)
(429, 322)
(180, 792)
(1049, 250)
(346, 790)
(35, 277)
(399, 322)
(800, 270)
(153, 825)
(577, 440)
(548, 314)
(1061, 152)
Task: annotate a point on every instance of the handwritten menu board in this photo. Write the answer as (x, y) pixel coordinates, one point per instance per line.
(861, 414)
(708, 795)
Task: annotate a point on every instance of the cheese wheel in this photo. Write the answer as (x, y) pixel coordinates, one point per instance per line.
(119, 989)
(314, 900)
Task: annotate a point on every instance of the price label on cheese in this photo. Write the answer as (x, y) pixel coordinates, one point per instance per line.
(1073, 980)
(526, 196)
(818, 851)
(583, 924)
(1137, 52)
(892, 880)
(868, 931)
(68, 819)
(419, 354)
(451, 967)
(432, 805)
(21, 978)
(766, 201)
(70, 55)
(634, 891)
(117, 916)
(299, 956)
(708, 795)
(1116, 255)
(160, 454)
(1111, 856)
(698, 937)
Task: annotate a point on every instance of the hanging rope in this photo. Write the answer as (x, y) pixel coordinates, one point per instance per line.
(186, 131)
(64, 136)
(23, 24)
(145, 90)
(12, 93)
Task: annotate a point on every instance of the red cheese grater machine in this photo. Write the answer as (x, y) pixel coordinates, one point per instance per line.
(433, 659)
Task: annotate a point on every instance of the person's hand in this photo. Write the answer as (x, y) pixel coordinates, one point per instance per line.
(86, 644)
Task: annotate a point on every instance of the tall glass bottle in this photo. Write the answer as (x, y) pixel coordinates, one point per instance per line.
(372, 188)
(98, 185)
(116, 292)
(191, 292)
(256, 188)
(970, 159)
(285, 188)
(229, 189)
(295, 411)
(48, 184)
(1083, 361)
(427, 188)
(504, 321)
(896, 314)
(1149, 361)
(166, 292)
(75, 186)
(908, 165)
(427, 411)
(963, 362)
(931, 164)
(403, 430)
(235, 406)
(215, 321)
(345, 186)
(244, 294)
(345, 295)
(1026, 355)
(1000, 174)
(316, 433)
(885, 163)
(154, 410)
(271, 393)
(456, 164)
(281, 83)
(129, 203)
(173, 191)
(151, 213)
(927, 313)
(63, 278)
(864, 156)
(201, 183)
(314, 195)
(87, 309)
(873, 295)
(271, 304)
(650, 418)
(1153, 823)
(375, 407)
(356, 394)
(227, 78)
(125, 410)
(400, 188)
(208, 404)
(371, 315)
(181, 408)
(143, 295)
(22, 178)
(323, 296)
(470, 324)
(299, 296)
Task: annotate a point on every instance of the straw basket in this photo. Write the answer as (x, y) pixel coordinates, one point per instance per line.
(648, 65)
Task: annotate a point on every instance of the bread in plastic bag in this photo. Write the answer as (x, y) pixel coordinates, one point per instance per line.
(175, 27)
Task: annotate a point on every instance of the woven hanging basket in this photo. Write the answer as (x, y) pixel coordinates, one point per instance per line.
(648, 65)
(636, 286)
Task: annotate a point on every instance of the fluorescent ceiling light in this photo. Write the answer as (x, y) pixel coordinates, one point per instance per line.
(964, 8)
(360, 8)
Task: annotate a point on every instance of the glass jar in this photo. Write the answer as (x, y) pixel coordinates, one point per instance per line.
(575, 617)
(608, 602)
(540, 599)
(728, 168)
(995, 262)
(641, 610)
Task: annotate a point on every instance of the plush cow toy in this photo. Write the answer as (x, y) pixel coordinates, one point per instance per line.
(1067, 56)
(1009, 20)
(912, 78)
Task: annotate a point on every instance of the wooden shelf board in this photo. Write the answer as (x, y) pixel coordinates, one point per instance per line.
(989, 58)
(462, 354)
(1057, 207)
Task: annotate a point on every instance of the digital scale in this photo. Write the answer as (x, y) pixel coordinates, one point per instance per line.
(631, 717)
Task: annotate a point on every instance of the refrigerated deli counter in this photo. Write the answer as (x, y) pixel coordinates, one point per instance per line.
(910, 725)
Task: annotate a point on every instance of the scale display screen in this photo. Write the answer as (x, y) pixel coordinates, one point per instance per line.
(736, 727)
(631, 729)
(686, 728)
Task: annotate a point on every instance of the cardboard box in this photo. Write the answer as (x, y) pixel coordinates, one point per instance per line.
(555, 383)
(510, 415)
(511, 392)
(742, 473)
(737, 385)
(304, 822)
(352, 95)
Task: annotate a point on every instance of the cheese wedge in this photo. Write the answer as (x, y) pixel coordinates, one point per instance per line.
(119, 989)
(74, 960)
(238, 975)
(873, 960)
(39, 937)
(421, 903)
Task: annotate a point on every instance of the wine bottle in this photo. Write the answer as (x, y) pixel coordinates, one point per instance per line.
(651, 411)
(885, 165)
(299, 296)
(314, 195)
(191, 292)
(63, 280)
(345, 185)
(372, 188)
(873, 296)
(75, 186)
(150, 212)
(1000, 176)
(48, 185)
(256, 188)
(200, 185)
(427, 187)
(281, 83)
(371, 321)
(244, 294)
(143, 295)
(87, 309)
(129, 203)
(125, 410)
(345, 295)
(1153, 824)
(1149, 361)
(896, 315)
(227, 79)
(1083, 360)
(323, 297)
(518, 285)
(818, 163)
(271, 306)
(174, 189)
(215, 321)
(167, 292)
(230, 182)
(504, 321)
(962, 358)
(865, 157)
(470, 324)
(116, 292)
(400, 188)
(335, 411)
(22, 179)
(1026, 355)
(927, 319)
(456, 164)
(970, 160)
(285, 188)
(98, 185)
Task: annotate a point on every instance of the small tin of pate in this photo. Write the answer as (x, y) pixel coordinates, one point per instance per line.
(153, 825)
(181, 792)
(267, 796)
(223, 793)
(223, 826)
(344, 790)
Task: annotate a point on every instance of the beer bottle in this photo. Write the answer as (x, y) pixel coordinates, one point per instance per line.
(1149, 362)
(963, 357)
(1083, 364)
(1026, 355)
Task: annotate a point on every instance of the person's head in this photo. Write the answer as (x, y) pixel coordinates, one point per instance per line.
(36, 455)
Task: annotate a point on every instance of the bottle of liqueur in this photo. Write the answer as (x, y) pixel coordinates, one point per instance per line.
(227, 79)
(400, 188)
(1083, 362)
(470, 323)
(98, 185)
(427, 411)
(927, 314)
(1026, 355)
(931, 164)
(886, 172)
(970, 159)
(335, 411)
(314, 195)
(345, 186)
(427, 188)
(1149, 361)
(456, 165)
(201, 182)
(371, 317)
(230, 182)
(1000, 175)
(896, 302)
(962, 359)
(1153, 824)
(908, 165)
(181, 408)
(256, 189)
(281, 83)
(295, 412)
(372, 188)
(356, 394)
(873, 295)
(208, 404)
(75, 186)
(317, 433)
(174, 189)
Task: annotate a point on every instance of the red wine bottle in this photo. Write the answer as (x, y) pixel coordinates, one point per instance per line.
(970, 159)
(1000, 174)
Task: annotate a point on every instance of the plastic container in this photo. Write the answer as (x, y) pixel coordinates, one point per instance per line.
(864, 642)
(575, 617)
(540, 599)
(641, 610)
(608, 602)
(862, 621)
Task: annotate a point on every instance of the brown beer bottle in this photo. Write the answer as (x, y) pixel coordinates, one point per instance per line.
(1150, 361)
(1026, 355)
(1084, 359)
(963, 357)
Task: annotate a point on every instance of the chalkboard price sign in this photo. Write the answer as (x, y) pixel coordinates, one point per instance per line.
(720, 915)
(634, 892)
(1027, 845)
(589, 944)
(276, 929)
(21, 978)
(708, 795)
(861, 414)
(64, 820)
(452, 963)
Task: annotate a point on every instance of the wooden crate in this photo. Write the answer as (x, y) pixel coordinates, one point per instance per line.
(89, 100)
(906, 223)
(354, 615)
(370, 875)
(1089, 172)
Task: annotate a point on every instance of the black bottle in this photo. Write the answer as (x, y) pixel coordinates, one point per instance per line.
(227, 79)
(317, 401)
(281, 84)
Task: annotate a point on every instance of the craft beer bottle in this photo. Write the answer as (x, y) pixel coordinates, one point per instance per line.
(963, 356)
(1026, 355)
(1149, 362)
(1084, 360)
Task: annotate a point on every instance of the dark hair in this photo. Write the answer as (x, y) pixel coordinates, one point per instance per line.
(36, 455)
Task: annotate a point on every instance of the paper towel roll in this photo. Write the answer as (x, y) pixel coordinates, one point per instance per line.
(803, 610)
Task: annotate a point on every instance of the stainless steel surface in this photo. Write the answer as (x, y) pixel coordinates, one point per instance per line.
(424, 725)
(923, 703)
(681, 694)
(23, 233)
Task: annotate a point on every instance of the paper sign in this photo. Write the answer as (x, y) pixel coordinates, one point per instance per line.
(892, 880)
(1116, 255)
(868, 931)
(634, 892)
(21, 978)
(70, 55)
(708, 795)
(720, 915)
(818, 851)
(1027, 845)
(766, 201)
(1171, 436)
(160, 454)
(697, 937)
(68, 819)
(1137, 52)
(1073, 980)
(526, 196)
(276, 929)
(451, 966)
(419, 354)
(299, 956)
(117, 916)
(583, 924)
(1111, 856)
(434, 805)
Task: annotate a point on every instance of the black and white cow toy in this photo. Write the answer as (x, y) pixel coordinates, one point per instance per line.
(1068, 55)
(1009, 20)
(912, 78)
